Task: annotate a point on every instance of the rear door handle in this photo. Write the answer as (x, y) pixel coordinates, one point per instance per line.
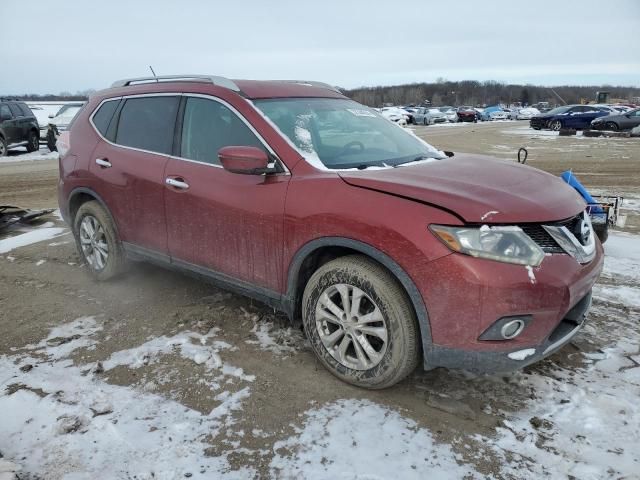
(178, 183)
(103, 162)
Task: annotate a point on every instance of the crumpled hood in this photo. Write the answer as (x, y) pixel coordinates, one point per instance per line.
(477, 188)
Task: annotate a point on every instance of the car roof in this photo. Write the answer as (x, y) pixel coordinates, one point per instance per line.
(252, 89)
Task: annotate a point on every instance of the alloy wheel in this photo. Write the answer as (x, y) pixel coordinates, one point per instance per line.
(93, 242)
(351, 327)
(555, 125)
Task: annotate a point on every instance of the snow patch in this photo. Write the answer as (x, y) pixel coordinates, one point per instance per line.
(531, 274)
(34, 236)
(522, 354)
(360, 439)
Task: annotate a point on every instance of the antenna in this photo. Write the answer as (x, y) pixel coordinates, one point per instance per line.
(154, 73)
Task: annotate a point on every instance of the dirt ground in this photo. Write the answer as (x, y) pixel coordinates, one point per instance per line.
(285, 379)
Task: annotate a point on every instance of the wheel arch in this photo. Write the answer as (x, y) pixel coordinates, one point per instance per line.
(81, 195)
(319, 251)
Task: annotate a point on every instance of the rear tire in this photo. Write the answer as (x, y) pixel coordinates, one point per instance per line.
(555, 125)
(33, 142)
(3, 147)
(98, 242)
(376, 322)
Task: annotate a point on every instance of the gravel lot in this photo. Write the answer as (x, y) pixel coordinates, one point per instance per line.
(158, 375)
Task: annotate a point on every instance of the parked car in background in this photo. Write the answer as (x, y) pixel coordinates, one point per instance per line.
(568, 116)
(467, 114)
(351, 226)
(395, 114)
(429, 116)
(450, 113)
(527, 113)
(620, 121)
(410, 114)
(502, 114)
(60, 122)
(487, 112)
(18, 127)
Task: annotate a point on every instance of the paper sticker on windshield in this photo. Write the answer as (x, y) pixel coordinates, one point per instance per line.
(360, 112)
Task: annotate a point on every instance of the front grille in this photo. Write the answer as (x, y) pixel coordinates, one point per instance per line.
(545, 241)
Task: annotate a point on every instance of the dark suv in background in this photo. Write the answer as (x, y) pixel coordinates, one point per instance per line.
(18, 127)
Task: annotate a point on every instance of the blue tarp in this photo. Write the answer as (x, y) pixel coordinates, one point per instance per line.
(573, 181)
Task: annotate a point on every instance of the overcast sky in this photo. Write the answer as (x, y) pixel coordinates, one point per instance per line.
(71, 45)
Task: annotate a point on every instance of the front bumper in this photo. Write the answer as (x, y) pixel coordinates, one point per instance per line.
(488, 362)
(471, 294)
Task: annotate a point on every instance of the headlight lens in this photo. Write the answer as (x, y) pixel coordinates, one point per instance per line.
(503, 244)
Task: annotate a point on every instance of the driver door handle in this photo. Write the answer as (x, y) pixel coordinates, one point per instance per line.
(103, 162)
(177, 183)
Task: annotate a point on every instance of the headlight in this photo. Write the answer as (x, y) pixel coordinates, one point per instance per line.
(503, 244)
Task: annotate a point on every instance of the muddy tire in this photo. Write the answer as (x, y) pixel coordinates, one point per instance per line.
(97, 241)
(33, 142)
(361, 323)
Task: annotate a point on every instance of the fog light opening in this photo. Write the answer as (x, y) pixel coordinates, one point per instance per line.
(512, 329)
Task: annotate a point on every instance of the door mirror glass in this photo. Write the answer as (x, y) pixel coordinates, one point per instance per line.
(244, 160)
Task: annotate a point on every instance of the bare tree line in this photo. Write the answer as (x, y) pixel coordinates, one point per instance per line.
(471, 92)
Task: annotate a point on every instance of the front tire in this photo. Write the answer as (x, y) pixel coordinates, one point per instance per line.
(360, 323)
(611, 126)
(97, 241)
(3, 147)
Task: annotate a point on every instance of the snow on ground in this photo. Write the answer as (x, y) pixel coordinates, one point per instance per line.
(21, 155)
(269, 337)
(32, 236)
(583, 422)
(62, 419)
(359, 439)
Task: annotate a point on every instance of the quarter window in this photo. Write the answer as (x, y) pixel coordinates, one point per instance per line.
(103, 116)
(147, 123)
(208, 126)
(26, 111)
(5, 112)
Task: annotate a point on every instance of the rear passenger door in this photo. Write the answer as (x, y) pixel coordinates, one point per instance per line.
(129, 165)
(228, 223)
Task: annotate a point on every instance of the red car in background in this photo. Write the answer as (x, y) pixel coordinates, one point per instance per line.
(388, 252)
(467, 114)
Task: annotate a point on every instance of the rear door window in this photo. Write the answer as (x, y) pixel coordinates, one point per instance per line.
(104, 114)
(147, 123)
(15, 110)
(208, 126)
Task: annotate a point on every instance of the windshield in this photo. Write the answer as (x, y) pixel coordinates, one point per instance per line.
(336, 133)
(558, 110)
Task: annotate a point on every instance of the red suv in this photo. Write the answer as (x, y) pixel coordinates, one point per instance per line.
(385, 249)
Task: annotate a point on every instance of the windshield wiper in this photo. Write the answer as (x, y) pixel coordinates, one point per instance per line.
(416, 159)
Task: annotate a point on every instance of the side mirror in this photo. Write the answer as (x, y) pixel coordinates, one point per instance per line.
(244, 160)
(51, 115)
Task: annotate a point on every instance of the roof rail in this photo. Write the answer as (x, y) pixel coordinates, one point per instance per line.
(313, 83)
(220, 81)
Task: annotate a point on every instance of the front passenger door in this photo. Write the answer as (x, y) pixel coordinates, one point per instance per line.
(228, 223)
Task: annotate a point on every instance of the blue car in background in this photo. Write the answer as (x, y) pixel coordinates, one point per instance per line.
(569, 116)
